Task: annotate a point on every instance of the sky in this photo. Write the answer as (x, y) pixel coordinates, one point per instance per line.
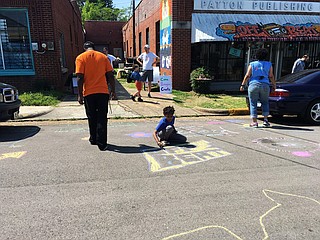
(123, 3)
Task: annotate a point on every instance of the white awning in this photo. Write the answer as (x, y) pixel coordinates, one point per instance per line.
(246, 27)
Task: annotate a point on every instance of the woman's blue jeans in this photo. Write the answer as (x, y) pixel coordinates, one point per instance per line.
(259, 92)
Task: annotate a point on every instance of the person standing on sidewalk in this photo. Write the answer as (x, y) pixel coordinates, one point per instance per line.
(135, 75)
(258, 76)
(299, 64)
(110, 56)
(147, 60)
(92, 69)
(111, 59)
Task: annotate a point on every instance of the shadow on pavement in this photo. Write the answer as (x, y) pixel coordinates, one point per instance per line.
(122, 93)
(146, 101)
(16, 133)
(292, 128)
(132, 149)
(145, 148)
(290, 121)
(160, 98)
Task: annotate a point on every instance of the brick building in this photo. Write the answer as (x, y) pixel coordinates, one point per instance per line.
(224, 36)
(105, 34)
(39, 41)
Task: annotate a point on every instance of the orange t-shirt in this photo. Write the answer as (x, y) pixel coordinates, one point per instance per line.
(93, 65)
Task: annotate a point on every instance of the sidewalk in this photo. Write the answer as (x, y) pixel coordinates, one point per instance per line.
(124, 107)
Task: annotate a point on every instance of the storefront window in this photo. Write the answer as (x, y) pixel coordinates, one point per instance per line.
(15, 44)
(225, 60)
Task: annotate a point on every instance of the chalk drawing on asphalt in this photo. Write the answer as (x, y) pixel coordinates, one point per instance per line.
(12, 155)
(296, 147)
(174, 157)
(271, 195)
(140, 135)
(192, 131)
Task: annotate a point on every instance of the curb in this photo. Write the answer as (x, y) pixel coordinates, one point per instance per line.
(36, 114)
(225, 112)
(239, 111)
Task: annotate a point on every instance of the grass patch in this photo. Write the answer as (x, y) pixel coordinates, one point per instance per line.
(213, 101)
(124, 83)
(181, 97)
(45, 98)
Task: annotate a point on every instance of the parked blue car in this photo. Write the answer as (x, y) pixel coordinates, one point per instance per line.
(297, 94)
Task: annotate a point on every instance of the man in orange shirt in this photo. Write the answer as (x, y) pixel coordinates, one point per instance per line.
(92, 69)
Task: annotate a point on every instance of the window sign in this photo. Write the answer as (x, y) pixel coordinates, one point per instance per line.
(15, 45)
(235, 52)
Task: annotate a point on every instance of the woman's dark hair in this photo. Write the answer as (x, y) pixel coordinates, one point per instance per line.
(168, 110)
(262, 54)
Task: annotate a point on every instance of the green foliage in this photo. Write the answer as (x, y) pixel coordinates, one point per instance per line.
(224, 101)
(107, 3)
(46, 98)
(213, 101)
(180, 96)
(200, 80)
(102, 10)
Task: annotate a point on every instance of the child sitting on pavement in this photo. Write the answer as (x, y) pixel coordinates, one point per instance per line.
(165, 132)
(135, 75)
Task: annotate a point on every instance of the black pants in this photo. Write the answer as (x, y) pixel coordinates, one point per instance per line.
(97, 109)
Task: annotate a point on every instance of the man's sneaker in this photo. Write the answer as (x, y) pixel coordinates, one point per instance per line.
(149, 95)
(140, 99)
(254, 124)
(266, 123)
(133, 98)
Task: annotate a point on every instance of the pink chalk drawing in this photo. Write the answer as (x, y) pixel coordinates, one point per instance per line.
(302, 154)
(140, 135)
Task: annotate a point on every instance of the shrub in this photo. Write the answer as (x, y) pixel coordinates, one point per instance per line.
(200, 80)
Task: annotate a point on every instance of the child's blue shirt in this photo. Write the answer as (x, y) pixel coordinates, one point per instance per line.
(164, 123)
(136, 76)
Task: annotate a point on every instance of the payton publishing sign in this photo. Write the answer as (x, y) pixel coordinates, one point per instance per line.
(250, 5)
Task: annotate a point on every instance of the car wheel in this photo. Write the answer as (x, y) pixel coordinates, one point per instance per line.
(313, 112)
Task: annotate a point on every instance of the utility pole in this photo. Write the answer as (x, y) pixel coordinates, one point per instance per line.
(134, 27)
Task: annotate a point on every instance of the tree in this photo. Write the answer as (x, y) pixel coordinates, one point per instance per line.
(107, 3)
(97, 10)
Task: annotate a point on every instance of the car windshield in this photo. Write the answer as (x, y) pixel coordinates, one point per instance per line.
(297, 77)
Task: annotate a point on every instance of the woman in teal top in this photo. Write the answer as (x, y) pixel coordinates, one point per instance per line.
(258, 77)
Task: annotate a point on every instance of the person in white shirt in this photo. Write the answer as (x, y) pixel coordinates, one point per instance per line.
(299, 64)
(147, 60)
(110, 57)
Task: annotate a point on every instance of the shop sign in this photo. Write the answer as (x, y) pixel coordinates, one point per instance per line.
(245, 27)
(165, 84)
(249, 5)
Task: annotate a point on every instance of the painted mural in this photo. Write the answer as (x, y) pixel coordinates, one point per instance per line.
(259, 27)
(239, 31)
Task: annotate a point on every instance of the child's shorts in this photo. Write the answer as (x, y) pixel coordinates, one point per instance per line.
(139, 85)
